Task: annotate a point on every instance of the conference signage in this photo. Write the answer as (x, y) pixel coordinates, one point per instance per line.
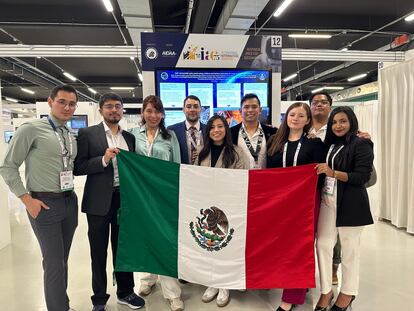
(210, 51)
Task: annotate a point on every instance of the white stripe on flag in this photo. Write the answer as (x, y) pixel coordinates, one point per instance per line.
(203, 188)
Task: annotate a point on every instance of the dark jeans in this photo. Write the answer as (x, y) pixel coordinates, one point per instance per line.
(98, 233)
(54, 229)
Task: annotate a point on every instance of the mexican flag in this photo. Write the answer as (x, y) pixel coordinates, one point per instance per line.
(224, 228)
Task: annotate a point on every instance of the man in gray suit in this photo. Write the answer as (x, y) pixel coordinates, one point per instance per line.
(97, 149)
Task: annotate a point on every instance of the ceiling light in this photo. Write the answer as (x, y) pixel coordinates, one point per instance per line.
(333, 87)
(288, 78)
(27, 91)
(282, 7)
(317, 90)
(122, 88)
(11, 99)
(92, 90)
(362, 75)
(344, 49)
(69, 76)
(409, 18)
(108, 5)
(140, 77)
(309, 36)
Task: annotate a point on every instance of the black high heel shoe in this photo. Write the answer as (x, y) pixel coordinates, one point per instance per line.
(319, 308)
(336, 308)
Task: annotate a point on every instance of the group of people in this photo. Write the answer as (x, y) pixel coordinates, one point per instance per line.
(308, 134)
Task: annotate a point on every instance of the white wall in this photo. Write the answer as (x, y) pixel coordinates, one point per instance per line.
(5, 235)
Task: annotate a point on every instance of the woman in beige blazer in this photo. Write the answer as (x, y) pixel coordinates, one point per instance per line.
(219, 151)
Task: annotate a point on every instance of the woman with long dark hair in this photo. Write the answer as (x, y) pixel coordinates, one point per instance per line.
(291, 147)
(153, 139)
(345, 206)
(219, 151)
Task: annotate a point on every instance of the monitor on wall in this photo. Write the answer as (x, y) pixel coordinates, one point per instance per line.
(220, 90)
(77, 121)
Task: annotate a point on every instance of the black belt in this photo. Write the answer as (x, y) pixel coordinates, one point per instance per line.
(37, 194)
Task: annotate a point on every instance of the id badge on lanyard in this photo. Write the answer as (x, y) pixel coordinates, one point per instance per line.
(330, 182)
(65, 176)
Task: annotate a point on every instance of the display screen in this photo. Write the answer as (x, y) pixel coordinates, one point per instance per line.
(77, 121)
(7, 136)
(220, 90)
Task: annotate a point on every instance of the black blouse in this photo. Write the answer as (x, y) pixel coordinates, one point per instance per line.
(215, 153)
(311, 151)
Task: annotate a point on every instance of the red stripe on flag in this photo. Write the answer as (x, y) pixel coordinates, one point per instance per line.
(280, 228)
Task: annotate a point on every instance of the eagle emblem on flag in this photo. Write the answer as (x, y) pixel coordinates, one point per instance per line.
(211, 231)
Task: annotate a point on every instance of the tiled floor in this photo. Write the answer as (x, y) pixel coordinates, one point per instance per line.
(387, 275)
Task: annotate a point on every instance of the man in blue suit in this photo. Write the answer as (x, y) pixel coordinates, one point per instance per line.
(189, 132)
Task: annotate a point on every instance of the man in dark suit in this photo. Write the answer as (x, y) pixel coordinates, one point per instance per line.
(189, 132)
(250, 134)
(97, 149)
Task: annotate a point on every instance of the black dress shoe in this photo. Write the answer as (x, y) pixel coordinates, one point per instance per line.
(281, 309)
(336, 308)
(319, 308)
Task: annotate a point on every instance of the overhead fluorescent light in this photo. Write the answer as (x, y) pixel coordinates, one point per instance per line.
(69, 76)
(11, 99)
(282, 7)
(122, 88)
(92, 90)
(319, 89)
(362, 75)
(108, 5)
(310, 36)
(27, 90)
(333, 87)
(288, 78)
(409, 18)
(140, 77)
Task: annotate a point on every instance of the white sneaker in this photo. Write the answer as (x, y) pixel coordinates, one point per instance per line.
(223, 297)
(176, 304)
(145, 289)
(209, 294)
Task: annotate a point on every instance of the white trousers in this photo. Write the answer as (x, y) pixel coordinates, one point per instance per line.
(170, 286)
(350, 238)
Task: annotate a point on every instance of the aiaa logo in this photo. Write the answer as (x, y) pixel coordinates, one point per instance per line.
(151, 53)
(168, 53)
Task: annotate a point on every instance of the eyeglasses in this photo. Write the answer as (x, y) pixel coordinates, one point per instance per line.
(111, 107)
(323, 102)
(65, 104)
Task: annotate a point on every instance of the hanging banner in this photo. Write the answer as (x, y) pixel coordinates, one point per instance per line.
(210, 51)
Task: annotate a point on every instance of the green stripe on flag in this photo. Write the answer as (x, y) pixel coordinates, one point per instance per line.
(149, 208)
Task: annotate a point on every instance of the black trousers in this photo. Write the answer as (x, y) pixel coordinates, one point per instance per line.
(100, 227)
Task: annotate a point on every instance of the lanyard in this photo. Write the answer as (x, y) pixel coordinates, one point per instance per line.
(197, 142)
(66, 155)
(335, 154)
(295, 157)
(150, 145)
(254, 153)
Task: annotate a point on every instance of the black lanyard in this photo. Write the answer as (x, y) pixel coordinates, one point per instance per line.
(254, 153)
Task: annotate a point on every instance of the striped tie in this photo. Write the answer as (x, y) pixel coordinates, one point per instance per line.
(194, 141)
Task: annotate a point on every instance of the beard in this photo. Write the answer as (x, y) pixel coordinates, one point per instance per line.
(112, 120)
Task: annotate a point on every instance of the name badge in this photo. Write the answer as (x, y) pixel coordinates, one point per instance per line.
(66, 180)
(329, 186)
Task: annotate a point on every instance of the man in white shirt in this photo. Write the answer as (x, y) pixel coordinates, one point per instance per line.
(250, 134)
(97, 149)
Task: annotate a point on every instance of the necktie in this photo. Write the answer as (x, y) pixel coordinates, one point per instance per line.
(192, 144)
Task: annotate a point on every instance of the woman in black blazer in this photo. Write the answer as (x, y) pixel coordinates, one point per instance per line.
(345, 206)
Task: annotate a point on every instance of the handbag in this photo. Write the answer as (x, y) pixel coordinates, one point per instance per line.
(372, 179)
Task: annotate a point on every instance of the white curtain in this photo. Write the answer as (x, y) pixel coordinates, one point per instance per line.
(396, 145)
(367, 114)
